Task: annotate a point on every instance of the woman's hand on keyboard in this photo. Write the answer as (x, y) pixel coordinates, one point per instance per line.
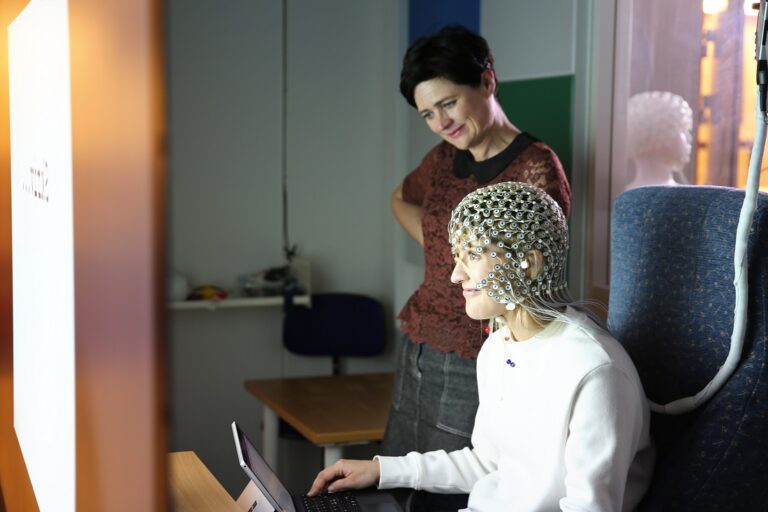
(345, 475)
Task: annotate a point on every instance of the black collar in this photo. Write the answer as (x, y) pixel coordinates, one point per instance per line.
(464, 164)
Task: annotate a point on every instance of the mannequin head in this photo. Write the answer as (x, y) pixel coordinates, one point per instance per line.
(659, 137)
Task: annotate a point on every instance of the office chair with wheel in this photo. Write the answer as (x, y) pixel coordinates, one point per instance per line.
(671, 306)
(337, 325)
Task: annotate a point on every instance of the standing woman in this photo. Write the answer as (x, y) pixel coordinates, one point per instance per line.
(450, 79)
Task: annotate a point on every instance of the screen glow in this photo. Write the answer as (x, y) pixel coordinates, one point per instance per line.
(43, 273)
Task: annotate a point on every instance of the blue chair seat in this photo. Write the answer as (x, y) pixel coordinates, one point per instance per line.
(671, 306)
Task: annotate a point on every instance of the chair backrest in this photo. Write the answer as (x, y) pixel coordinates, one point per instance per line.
(336, 325)
(671, 306)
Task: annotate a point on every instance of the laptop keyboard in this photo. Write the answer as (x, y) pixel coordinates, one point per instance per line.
(332, 502)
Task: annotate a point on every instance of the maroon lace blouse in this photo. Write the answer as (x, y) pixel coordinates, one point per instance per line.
(435, 313)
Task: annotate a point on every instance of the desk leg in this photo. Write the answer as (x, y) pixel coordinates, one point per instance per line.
(331, 454)
(270, 437)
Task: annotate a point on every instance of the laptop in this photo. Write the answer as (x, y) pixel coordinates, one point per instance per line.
(281, 500)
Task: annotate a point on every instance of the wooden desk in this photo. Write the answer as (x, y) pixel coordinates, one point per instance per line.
(193, 488)
(329, 411)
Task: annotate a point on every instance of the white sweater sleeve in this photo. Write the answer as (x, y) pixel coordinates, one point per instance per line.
(599, 453)
(437, 471)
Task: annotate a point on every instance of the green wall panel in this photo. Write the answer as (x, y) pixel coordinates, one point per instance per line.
(543, 107)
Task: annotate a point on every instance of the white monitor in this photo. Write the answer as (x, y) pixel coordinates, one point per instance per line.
(42, 241)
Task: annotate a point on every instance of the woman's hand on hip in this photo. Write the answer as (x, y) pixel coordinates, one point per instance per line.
(408, 215)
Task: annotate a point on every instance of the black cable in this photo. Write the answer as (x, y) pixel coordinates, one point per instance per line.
(762, 83)
(288, 249)
(761, 54)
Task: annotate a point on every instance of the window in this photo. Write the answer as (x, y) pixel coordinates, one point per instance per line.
(693, 60)
(696, 54)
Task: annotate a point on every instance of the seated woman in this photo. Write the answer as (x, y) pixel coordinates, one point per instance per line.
(563, 420)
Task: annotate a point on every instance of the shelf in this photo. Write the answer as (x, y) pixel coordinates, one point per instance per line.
(237, 302)
(299, 267)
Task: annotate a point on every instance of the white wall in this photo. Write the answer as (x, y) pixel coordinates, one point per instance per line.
(530, 38)
(225, 81)
(341, 90)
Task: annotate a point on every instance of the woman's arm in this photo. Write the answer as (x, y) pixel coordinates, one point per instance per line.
(408, 215)
(437, 471)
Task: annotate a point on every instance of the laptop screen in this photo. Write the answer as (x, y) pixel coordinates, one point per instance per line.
(265, 478)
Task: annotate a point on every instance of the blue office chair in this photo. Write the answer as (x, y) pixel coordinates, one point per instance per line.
(337, 325)
(671, 306)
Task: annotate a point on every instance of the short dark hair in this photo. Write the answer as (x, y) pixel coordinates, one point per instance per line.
(454, 53)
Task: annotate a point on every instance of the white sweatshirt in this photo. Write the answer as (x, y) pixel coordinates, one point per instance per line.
(563, 424)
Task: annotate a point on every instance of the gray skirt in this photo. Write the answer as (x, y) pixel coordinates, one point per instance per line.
(434, 401)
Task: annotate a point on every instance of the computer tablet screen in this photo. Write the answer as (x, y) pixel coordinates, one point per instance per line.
(259, 471)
